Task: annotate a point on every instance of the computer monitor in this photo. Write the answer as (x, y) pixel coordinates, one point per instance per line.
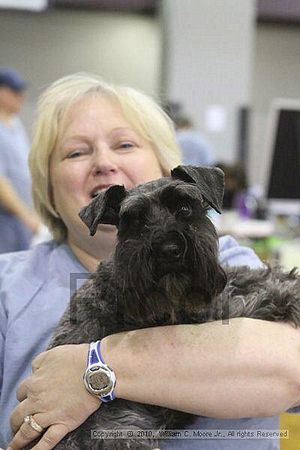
(282, 180)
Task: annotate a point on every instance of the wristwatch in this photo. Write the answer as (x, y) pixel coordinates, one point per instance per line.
(99, 378)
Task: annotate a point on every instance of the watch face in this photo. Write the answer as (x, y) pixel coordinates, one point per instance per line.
(99, 379)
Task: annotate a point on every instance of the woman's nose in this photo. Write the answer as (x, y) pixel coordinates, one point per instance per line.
(104, 161)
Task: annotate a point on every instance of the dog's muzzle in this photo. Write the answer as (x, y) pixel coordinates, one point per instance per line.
(169, 247)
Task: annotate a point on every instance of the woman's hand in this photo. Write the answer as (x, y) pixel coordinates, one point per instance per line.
(52, 395)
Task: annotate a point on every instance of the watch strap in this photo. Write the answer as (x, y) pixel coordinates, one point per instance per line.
(95, 359)
(94, 355)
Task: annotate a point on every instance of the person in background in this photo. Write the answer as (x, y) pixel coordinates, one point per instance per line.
(246, 200)
(91, 135)
(196, 150)
(235, 184)
(18, 221)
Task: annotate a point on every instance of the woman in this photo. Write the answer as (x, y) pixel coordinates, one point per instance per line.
(90, 135)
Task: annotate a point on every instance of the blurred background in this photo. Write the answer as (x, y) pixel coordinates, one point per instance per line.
(222, 61)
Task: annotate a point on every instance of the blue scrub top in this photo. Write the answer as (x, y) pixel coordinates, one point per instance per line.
(14, 150)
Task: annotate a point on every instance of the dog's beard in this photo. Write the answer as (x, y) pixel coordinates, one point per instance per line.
(133, 266)
(148, 289)
(197, 271)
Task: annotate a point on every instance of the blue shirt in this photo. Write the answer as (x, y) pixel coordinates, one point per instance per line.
(34, 292)
(14, 149)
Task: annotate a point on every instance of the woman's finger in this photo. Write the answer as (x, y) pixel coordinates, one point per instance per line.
(22, 390)
(30, 429)
(52, 436)
(17, 417)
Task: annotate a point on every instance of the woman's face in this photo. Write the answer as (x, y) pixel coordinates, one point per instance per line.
(96, 148)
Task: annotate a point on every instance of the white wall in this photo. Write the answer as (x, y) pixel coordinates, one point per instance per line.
(123, 48)
(276, 73)
(208, 61)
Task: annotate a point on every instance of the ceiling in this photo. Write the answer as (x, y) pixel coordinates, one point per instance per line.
(140, 6)
(267, 11)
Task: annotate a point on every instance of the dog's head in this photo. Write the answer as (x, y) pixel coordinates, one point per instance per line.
(163, 228)
(106, 207)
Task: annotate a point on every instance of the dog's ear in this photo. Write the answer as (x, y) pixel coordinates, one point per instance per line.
(104, 208)
(210, 181)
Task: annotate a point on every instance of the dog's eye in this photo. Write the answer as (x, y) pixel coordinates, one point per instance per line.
(184, 210)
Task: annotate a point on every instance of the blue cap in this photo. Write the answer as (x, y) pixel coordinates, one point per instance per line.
(12, 79)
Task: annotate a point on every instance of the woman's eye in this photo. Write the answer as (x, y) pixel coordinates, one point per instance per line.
(126, 145)
(77, 153)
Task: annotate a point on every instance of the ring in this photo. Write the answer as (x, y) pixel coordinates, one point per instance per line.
(33, 423)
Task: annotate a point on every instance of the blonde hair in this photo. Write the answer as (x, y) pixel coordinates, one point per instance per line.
(144, 114)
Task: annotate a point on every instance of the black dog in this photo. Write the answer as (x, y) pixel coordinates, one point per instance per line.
(164, 271)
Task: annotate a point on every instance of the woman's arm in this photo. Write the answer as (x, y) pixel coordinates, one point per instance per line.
(241, 369)
(10, 201)
(245, 368)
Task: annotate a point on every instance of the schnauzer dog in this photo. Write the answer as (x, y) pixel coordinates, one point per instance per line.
(164, 271)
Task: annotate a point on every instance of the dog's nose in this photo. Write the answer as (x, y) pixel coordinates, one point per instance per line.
(169, 250)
